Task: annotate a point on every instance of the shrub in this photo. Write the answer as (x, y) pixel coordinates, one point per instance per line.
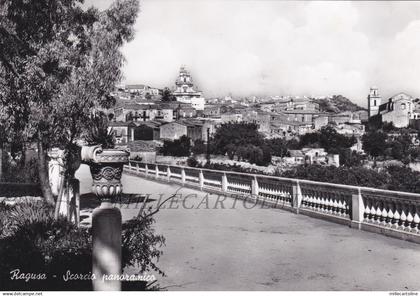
(16, 171)
(357, 176)
(181, 147)
(199, 147)
(33, 241)
(140, 245)
(192, 162)
(137, 158)
(97, 132)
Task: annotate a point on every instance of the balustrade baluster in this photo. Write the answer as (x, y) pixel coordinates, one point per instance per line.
(372, 216)
(313, 201)
(345, 210)
(378, 212)
(308, 201)
(367, 211)
(390, 215)
(323, 202)
(409, 220)
(329, 204)
(416, 221)
(334, 206)
(384, 214)
(339, 207)
(322, 206)
(403, 218)
(396, 218)
(318, 202)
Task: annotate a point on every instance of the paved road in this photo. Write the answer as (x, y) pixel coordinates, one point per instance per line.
(270, 249)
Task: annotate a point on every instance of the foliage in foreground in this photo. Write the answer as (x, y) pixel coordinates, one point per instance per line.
(33, 241)
(58, 61)
(19, 171)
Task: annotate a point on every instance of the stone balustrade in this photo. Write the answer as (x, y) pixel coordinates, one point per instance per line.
(387, 212)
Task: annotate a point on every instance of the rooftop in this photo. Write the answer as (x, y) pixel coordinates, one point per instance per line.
(296, 111)
(137, 146)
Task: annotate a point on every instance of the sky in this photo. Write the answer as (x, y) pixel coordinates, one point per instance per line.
(277, 47)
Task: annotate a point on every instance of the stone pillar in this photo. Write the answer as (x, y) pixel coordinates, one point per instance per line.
(357, 210)
(146, 169)
(55, 169)
(254, 187)
(224, 183)
(201, 179)
(106, 247)
(297, 197)
(183, 175)
(156, 171)
(168, 172)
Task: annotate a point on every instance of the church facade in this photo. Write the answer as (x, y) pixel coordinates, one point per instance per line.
(398, 109)
(185, 92)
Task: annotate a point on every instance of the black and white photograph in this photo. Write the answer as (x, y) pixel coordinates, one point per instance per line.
(197, 145)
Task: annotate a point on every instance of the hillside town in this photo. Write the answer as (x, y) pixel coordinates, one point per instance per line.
(145, 117)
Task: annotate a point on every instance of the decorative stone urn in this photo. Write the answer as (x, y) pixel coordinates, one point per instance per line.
(106, 166)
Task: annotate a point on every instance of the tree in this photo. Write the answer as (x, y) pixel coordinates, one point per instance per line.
(57, 63)
(199, 147)
(230, 136)
(327, 138)
(179, 147)
(167, 95)
(278, 146)
(331, 140)
(400, 148)
(374, 143)
(350, 158)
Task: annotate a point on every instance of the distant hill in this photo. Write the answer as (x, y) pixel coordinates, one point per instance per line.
(337, 104)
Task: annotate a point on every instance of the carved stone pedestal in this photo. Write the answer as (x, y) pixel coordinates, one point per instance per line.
(106, 166)
(106, 247)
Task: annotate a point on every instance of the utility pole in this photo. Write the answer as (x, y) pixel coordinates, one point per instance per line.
(208, 146)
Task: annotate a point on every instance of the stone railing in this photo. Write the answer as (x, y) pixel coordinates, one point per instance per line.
(391, 213)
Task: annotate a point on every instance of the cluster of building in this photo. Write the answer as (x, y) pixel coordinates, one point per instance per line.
(141, 115)
(191, 115)
(142, 119)
(311, 156)
(137, 91)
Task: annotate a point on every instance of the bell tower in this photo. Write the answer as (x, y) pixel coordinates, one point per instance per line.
(374, 100)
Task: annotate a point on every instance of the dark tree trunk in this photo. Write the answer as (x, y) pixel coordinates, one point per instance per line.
(24, 165)
(1, 161)
(43, 173)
